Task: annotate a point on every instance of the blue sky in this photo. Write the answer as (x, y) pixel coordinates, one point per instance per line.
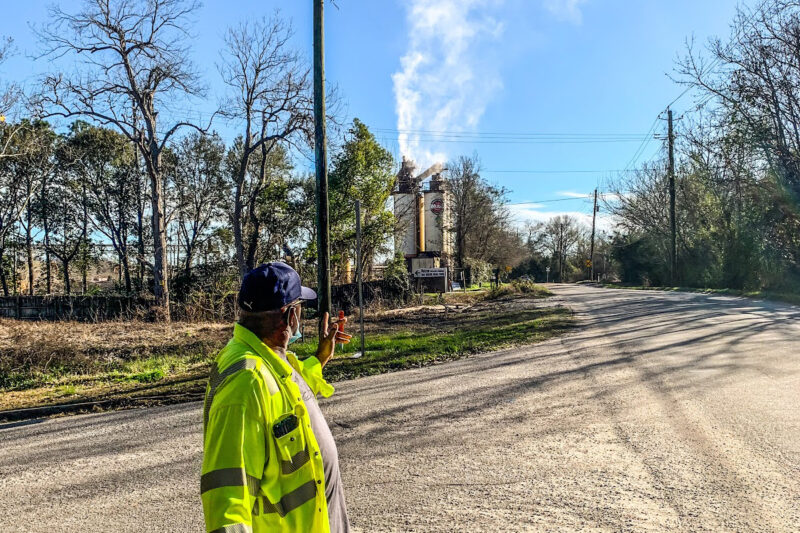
(440, 78)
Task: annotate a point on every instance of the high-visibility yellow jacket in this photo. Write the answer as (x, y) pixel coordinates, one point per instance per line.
(260, 473)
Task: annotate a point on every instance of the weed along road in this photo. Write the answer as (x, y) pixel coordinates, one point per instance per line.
(662, 411)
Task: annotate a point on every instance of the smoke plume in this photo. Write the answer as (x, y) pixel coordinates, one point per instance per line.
(447, 75)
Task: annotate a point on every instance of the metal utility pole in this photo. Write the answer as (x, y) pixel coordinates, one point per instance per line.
(673, 250)
(321, 158)
(359, 273)
(591, 248)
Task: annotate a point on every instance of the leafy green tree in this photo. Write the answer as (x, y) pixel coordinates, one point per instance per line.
(15, 193)
(67, 234)
(362, 170)
(200, 193)
(101, 164)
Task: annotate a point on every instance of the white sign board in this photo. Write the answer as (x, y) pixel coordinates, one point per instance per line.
(430, 273)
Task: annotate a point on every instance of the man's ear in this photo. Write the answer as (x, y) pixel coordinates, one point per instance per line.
(292, 312)
(285, 315)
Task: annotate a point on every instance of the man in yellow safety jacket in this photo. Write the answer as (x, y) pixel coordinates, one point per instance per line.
(269, 460)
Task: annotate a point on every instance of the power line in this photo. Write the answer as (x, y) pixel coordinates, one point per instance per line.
(643, 146)
(450, 133)
(709, 69)
(516, 141)
(550, 200)
(558, 171)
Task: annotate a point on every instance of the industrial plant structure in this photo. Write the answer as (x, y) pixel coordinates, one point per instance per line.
(423, 212)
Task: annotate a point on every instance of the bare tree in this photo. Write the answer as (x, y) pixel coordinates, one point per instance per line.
(9, 92)
(271, 95)
(478, 211)
(132, 59)
(9, 97)
(755, 77)
(561, 235)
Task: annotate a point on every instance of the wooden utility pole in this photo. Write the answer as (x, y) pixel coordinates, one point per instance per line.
(321, 159)
(673, 249)
(359, 273)
(591, 248)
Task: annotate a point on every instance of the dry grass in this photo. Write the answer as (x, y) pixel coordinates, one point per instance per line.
(51, 363)
(115, 338)
(37, 353)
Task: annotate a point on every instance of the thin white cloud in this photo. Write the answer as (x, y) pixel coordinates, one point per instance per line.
(529, 205)
(447, 75)
(566, 10)
(522, 213)
(573, 194)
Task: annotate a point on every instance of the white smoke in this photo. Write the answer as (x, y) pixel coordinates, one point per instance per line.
(447, 76)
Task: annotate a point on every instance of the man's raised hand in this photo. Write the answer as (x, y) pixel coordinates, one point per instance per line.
(329, 337)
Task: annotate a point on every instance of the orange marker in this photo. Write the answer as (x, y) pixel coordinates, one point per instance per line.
(340, 325)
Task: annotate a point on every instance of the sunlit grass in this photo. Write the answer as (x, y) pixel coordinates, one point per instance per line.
(49, 363)
(396, 351)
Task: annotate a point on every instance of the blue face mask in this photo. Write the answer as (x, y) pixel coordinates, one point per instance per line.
(297, 336)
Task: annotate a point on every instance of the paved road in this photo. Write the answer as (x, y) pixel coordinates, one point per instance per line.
(664, 412)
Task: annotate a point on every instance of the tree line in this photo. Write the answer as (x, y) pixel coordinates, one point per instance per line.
(81, 198)
(737, 166)
(130, 181)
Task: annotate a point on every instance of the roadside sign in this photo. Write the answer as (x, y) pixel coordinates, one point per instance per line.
(588, 263)
(430, 273)
(547, 269)
(437, 206)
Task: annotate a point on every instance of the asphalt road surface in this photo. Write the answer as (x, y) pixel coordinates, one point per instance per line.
(663, 412)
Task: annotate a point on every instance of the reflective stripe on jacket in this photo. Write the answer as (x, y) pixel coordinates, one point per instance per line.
(253, 481)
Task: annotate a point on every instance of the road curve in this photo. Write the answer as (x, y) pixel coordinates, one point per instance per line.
(662, 412)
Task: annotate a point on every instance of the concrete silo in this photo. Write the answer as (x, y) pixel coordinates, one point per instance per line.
(437, 217)
(423, 214)
(406, 211)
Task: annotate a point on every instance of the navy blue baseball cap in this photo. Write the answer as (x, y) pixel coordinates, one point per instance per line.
(270, 286)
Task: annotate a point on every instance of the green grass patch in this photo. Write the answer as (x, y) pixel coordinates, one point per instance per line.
(17, 380)
(400, 350)
(519, 287)
(150, 376)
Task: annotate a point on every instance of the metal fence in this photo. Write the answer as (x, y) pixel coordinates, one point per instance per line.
(345, 297)
(82, 308)
(98, 308)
